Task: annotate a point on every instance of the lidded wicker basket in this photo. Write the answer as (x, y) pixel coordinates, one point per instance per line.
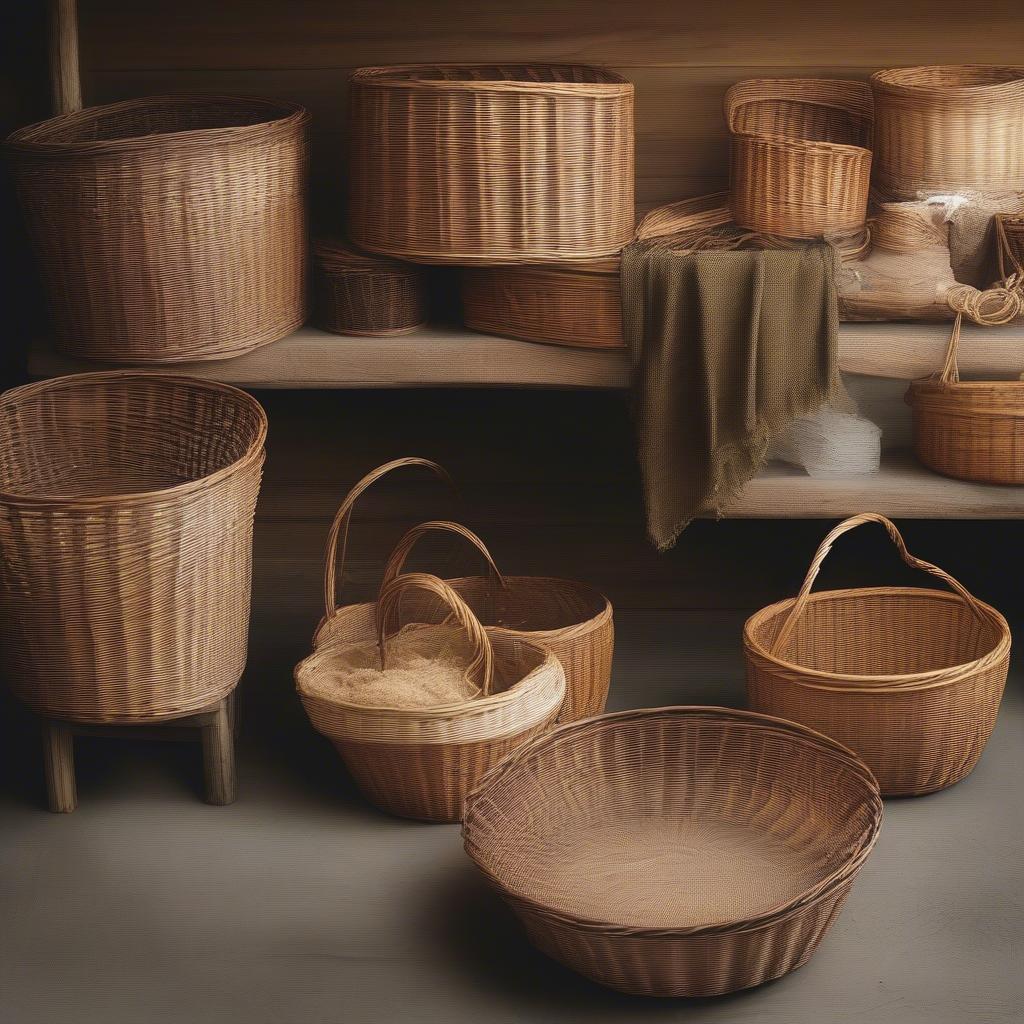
(910, 679)
(355, 293)
(676, 851)
(422, 762)
(168, 229)
(948, 129)
(491, 163)
(801, 162)
(126, 512)
(972, 430)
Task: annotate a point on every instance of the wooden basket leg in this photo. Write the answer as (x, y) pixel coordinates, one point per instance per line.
(219, 756)
(59, 761)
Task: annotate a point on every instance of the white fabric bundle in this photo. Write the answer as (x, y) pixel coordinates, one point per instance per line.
(831, 444)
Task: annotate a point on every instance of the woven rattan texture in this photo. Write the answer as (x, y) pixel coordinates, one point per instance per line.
(168, 229)
(911, 679)
(126, 511)
(677, 851)
(490, 164)
(421, 763)
(364, 295)
(800, 162)
(949, 129)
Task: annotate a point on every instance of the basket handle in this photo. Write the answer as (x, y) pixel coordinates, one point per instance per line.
(991, 308)
(396, 561)
(840, 93)
(826, 546)
(334, 561)
(390, 599)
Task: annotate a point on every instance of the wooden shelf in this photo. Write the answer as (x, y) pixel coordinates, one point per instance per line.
(902, 487)
(454, 357)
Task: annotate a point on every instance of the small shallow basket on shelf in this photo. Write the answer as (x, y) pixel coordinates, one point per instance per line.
(422, 762)
(945, 129)
(910, 679)
(676, 851)
(801, 162)
(972, 430)
(358, 294)
(168, 229)
(491, 163)
(126, 513)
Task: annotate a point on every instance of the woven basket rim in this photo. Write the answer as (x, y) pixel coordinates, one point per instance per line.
(173, 492)
(805, 146)
(44, 136)
(847, 682)
(335, 253)
(901, 81)
(735, 717)
(403, 76)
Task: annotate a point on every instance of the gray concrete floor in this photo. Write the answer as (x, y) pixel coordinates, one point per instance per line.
(301, 904)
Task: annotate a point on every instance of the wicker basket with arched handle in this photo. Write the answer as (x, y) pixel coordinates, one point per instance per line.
(911, 679)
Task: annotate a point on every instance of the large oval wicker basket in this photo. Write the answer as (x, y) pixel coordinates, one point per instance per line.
(949, 129)
(168, 229)
(911, 679)
(972, 430)
(491, 163)
(422, 762)
(126, 512)
(676, 851)
(801, 162)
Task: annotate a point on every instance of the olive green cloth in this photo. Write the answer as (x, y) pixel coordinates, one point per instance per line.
(728, 347)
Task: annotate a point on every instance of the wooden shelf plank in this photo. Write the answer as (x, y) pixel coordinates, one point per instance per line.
(454, 357)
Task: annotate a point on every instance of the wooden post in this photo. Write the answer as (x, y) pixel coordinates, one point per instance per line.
(65, 79)
(59, 759)
(219, 756)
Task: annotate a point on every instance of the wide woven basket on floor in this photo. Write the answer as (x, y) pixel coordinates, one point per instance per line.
(949, 129)
(422, 762)
(126, 511)
(571, 619)
(354, 293)
(676, 851)
(911, 679)
(491, 163)
(801, 162)
(972, 430)
(168, 229)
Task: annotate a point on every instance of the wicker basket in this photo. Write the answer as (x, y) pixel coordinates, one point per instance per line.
(676, 851)
(949, 129)
(570, 619)
(168, 229)
(354, 293)
(1010, 242)
(126, 511)
(487, 164)
(911, 679)
(422, 762)
(972, 430)
(800, 164)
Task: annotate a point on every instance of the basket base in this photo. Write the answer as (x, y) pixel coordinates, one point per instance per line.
(214, 728)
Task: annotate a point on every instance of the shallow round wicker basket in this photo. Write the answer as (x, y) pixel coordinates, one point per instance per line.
(971, 430)
(910, 679)
(126, 511)
(168, 229)
(422, 762)
(676, 851)
(570, 619)
(949, 129)
(354, 293)
(491, 163)
(800, 163)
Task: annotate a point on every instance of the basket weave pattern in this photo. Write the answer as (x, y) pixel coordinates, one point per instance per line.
(910, 679)
(677, 851)
(168, 229)
(949, 129)
(488, 164)
(800, 166)
(126, 511)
